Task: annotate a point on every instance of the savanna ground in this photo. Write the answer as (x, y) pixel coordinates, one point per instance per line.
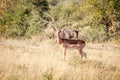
(43, 60)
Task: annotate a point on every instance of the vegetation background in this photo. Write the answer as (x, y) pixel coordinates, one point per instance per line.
(98, 20)
(28, 50)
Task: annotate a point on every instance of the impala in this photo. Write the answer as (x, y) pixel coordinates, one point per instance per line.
(75, 44)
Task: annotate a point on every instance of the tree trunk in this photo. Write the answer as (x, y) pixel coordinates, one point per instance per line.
(107, 22)
(107, 32)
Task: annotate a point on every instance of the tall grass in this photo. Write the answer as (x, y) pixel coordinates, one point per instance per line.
(34, 60)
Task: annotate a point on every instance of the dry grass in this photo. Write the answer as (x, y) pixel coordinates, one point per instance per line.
(34, 60)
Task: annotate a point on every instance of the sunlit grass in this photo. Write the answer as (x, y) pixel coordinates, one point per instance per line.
(35, 60)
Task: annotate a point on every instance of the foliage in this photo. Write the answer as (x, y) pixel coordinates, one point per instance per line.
(22, 18)
(106, 12)
(66, 15)
(94, 35)
(99, 19)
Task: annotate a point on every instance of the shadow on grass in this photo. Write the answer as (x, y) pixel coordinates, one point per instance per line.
(76, 61)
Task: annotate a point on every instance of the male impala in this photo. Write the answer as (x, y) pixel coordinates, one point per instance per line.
(68, 43)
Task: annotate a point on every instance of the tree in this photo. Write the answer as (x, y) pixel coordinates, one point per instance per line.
(20, 18)
(106, 12)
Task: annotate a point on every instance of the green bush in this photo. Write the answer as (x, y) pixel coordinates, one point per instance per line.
(23, 19)
(94, 35)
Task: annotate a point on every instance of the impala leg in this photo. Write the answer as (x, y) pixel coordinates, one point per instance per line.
(80, 52)
(64, 53)
(84, 54)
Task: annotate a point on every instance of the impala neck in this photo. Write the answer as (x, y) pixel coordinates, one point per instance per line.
(59, 38)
